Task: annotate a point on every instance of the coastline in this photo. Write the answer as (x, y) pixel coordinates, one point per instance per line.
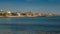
(21, 16)
(9, 14)
(14, 16)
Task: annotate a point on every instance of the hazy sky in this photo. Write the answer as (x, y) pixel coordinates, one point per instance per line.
(43, 6)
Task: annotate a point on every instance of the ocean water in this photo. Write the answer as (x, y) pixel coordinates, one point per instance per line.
(30, 25)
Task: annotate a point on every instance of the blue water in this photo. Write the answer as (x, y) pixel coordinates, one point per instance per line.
(44, 24)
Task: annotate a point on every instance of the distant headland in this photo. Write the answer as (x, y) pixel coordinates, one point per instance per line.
(24, 14)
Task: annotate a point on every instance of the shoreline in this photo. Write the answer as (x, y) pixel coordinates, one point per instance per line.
(15, 16)
(9, 14)
(22, 16)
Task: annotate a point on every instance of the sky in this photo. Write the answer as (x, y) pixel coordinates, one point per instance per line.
(42, 6)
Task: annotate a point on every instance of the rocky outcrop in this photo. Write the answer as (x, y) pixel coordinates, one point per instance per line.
(24, 14)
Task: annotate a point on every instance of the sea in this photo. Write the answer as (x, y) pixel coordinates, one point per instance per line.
(30, 25)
